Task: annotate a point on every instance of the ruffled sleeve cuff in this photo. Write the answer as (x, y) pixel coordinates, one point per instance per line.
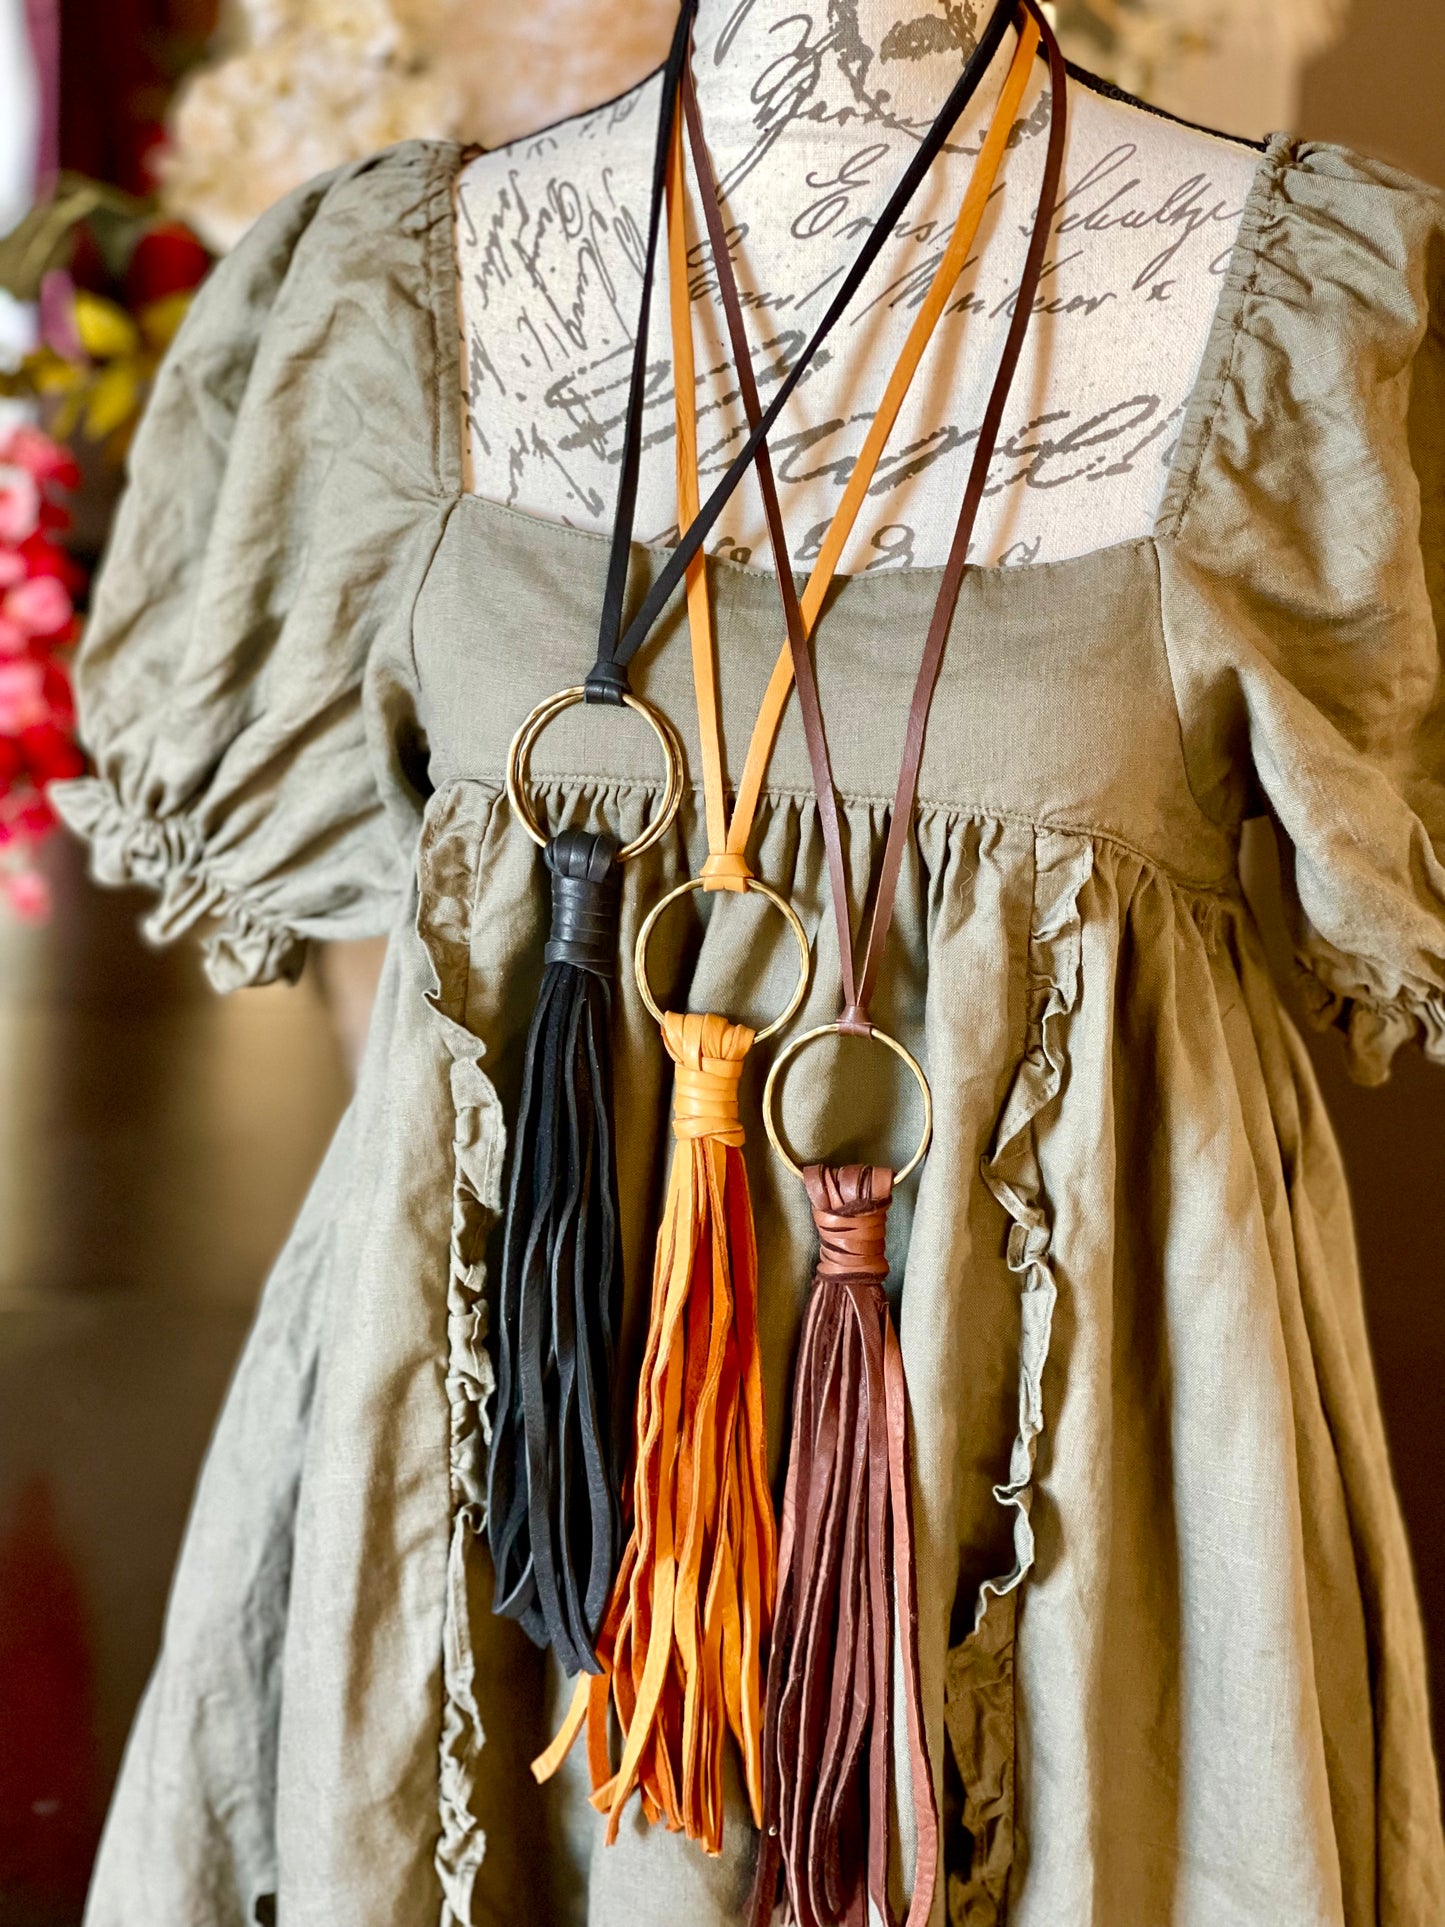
(240, 944)
(1374, 1023)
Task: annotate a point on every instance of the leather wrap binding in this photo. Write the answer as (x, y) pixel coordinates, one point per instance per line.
(554, 1469)
(845, 1572)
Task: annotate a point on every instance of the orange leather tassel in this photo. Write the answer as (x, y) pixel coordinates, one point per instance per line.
(683, 1640)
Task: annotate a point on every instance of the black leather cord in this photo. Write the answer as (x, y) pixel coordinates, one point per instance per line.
(585, 889)
(608, 680)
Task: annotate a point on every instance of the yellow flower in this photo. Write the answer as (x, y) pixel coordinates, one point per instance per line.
(102, 395)
(106, 331)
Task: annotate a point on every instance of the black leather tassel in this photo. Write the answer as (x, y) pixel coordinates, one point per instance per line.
(553, 1478)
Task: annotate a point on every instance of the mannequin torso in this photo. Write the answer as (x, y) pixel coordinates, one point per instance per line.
(810, 120)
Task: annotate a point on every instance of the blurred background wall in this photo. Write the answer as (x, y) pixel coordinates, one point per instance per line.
(155, 1141)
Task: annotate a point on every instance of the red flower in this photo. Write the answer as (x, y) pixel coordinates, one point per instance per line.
(56, 689)
(28, 895)
(30, 823)
(48, 461)
(50, 755)
(167, 260)
(11, 763)
(42, 557)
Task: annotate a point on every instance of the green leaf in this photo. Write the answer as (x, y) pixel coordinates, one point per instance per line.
(45, 236)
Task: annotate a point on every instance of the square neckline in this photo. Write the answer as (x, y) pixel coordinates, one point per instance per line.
(1200, 409)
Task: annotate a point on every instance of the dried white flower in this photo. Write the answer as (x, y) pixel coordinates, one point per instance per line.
(310, 84)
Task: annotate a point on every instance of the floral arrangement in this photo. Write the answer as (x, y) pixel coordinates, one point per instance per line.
(112, 281)
(300, 86)
(38, 582)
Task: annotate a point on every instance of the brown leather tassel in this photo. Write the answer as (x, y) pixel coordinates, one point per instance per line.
(682, 1643)
(845, 1567)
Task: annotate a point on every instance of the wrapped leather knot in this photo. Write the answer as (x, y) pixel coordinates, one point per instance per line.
(586, 893)
(607, 683)
(709, 1054)
(725, 870)
(850, 1209)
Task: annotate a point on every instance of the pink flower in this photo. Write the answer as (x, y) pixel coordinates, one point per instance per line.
(12, 568)
(45, 460)
(22, 695)
(40, 607)
(28, 894)
(25, 818)
(19, 505)
(12, 638)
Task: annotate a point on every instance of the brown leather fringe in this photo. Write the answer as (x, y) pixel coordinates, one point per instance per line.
(845, 1569)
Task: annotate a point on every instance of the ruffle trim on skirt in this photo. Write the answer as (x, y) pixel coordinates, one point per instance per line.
(479, 1147)
(979, 1673)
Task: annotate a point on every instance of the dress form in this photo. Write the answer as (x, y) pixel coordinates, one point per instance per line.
(810, 118)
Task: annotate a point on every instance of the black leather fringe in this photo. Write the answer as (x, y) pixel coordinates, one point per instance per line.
(554, 1473)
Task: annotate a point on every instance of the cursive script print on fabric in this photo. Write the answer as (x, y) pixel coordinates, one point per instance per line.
(811, 114)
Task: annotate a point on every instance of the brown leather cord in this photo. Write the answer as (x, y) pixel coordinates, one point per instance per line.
(607, 681)
(660, 1670)
(858, 987)
(674, 1675)
(704, 1277)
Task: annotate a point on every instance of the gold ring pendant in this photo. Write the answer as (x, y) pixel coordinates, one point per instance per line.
(519, 762)
(758, 888)
(790, 1050)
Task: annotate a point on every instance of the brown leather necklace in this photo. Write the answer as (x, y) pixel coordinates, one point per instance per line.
(827, 1728)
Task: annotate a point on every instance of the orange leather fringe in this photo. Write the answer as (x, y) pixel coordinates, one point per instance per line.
(683, 1639)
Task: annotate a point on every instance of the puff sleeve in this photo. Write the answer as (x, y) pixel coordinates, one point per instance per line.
(1303, 578)
(245, 682)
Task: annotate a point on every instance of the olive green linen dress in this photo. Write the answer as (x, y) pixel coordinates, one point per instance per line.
(1172, 1660)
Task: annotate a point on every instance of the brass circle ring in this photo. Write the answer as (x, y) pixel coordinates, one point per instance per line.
(790, 1050)
(519, 761)
(758, 888)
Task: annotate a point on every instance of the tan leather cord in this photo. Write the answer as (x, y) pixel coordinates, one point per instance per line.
(682, 1643)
